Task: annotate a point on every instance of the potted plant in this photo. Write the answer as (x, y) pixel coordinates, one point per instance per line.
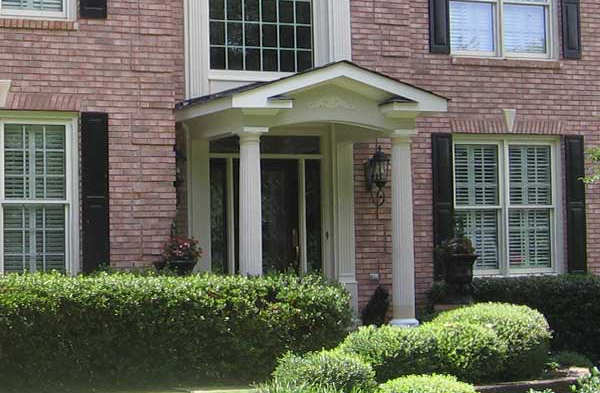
(458, 256)
(179, 254)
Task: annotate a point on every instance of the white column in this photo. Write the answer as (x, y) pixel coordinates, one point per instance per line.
(403, 257)
(250, 202)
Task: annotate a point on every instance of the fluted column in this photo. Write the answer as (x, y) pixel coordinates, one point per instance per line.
(250, 202)
(403, 257)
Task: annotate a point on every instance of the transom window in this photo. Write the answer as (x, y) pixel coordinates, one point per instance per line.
(504, 28)
(504, 199)
(39, 8)
(35, 197)
(261, 35)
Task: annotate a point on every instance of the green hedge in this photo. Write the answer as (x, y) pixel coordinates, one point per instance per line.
(426, 384)
(570, 303)
(470, 352)
(331, 369)
(121, 328)
(524, 330)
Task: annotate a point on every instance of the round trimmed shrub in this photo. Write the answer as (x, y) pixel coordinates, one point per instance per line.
(330, 369)
(393, 351)
(426, 384)
(524, 330)
(470, 352)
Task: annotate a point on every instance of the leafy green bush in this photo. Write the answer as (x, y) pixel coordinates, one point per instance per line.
(332, 369)
(588, 384)
(470, 352)
(119, 328)
(524, 330)
(570, 303)
(426, 384)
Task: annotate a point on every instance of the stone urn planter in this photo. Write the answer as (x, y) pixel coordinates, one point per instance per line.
(459, 258)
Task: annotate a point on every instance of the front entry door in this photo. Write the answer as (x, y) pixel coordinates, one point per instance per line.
(281, 244)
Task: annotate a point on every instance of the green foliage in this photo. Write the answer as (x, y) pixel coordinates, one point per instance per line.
(426, 384)
(331, 369)
(570, 359)
(570, 303)
(524, 330)
(593, 155)
(375, 311)
(119, 329)
(588, 384)
(276, 387)
(470, 352)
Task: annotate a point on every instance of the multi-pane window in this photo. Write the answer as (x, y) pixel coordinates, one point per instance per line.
(34, 207)
(507, 28)
(504, 201)
(45, 8)
(261, 35)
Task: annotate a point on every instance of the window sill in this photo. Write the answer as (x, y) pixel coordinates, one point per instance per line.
(246, 76)
(511, 63)
(38, 24)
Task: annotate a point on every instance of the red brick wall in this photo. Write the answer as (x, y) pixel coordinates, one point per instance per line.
(130, 66)
(551, 97)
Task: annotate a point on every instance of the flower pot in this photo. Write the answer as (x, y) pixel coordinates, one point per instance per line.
(459, 276)
(181, 268)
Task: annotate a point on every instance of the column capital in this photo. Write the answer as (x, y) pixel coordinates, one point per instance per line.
(402, 136)
(251, 134)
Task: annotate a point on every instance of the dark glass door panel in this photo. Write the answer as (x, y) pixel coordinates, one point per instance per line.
(313, 216)
(218, 215)
(281, 246)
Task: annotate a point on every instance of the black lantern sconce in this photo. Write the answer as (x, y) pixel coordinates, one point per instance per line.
(377, 171)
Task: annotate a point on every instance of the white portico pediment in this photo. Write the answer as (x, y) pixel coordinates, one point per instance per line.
(340, 92)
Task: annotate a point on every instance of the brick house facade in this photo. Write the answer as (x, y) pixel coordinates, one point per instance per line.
(148, 56)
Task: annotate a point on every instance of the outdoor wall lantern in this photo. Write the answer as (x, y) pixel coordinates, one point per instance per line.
(377, 171)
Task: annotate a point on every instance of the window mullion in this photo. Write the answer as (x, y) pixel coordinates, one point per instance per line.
(505, 193)
(500, 28)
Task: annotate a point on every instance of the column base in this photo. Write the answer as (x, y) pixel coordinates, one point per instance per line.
(408, 322)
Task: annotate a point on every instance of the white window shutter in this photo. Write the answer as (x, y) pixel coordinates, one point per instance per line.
(476, 175)
(39, 5)
(481, 226)
(529, 238)
(530, 175)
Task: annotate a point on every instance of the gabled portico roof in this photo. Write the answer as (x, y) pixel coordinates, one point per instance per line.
(317, 93)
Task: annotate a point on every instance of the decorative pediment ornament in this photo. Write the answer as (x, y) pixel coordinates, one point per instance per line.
(330, 102)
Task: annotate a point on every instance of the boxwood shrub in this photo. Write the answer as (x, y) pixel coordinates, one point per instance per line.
(570, 303)
(470, 352)
(328, 369)
(120, 329)
(524, 330)
(426, 384)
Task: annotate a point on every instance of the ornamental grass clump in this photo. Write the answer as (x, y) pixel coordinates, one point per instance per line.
(524, 331)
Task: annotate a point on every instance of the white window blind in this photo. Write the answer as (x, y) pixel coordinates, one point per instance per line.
(37, 5)
(476, 187)
(509, 222)
(34, 176)
(517, 28)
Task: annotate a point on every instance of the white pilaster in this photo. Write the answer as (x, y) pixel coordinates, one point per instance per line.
(340, 30)
(250, 202)
(403, 257)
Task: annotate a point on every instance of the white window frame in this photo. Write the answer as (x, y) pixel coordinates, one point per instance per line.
(331, 42)
(503, 142)
(498, 19)
(70, 121)
(69, 12)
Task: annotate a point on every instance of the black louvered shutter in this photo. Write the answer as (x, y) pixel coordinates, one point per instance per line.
(571, 26)
(576, 220)
(94, 188)
(443, 192)
(93, 9)
(439, 26)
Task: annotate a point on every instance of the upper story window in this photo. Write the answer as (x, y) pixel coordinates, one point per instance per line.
(34, 8)
(501, 28)
(261, 35)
